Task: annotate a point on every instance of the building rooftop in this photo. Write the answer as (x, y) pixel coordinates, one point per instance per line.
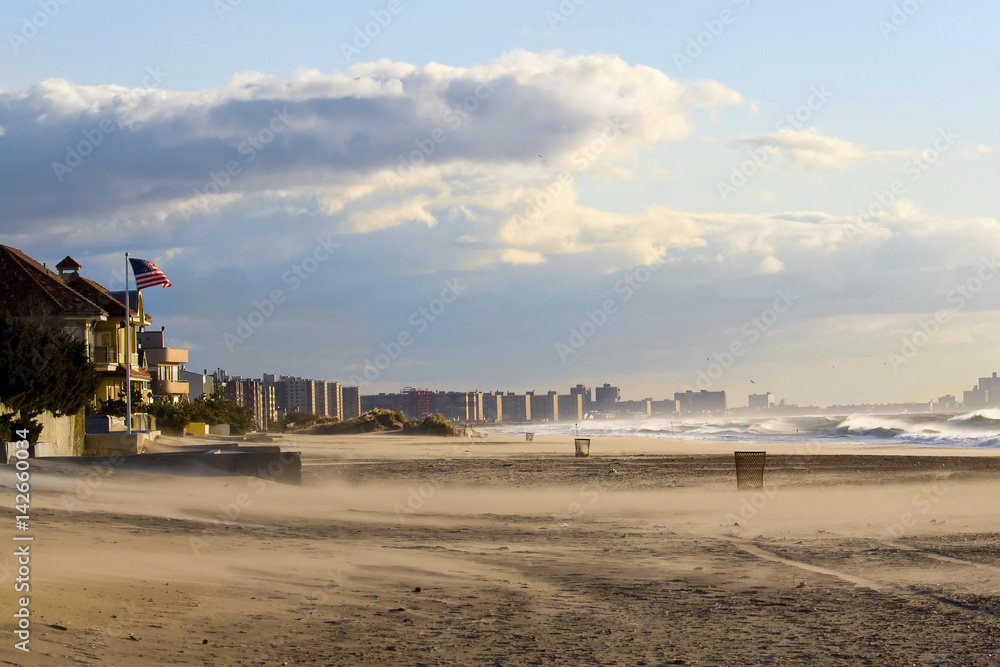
(29, 289)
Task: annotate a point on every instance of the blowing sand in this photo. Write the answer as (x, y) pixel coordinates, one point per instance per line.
(428, 551)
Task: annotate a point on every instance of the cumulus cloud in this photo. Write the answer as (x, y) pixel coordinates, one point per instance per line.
(332, 140)
(811, 149)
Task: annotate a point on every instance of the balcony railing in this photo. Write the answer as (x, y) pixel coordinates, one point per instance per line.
(104, 354)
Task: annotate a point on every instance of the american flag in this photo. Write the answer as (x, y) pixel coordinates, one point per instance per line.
(146, 274)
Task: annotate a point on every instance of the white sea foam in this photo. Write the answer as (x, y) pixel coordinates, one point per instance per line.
(980, 428)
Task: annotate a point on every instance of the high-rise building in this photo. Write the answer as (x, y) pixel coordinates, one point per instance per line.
(701, 401)
(606, 396)
(991, 386)
(352, 402)
(544, 407)
(585, 392)
(760, 401)
(516, 407)
(571, 407)
(334, 400)
(493, 406)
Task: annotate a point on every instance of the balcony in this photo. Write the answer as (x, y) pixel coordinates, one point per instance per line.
(165, 387)
(165, 356)
(105, 355)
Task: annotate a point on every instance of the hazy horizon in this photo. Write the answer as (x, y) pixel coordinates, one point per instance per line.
(745, 196)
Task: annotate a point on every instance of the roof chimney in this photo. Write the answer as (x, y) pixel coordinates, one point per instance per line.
(68, 268)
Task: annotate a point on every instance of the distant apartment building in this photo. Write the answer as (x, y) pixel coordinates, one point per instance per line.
(634, 409)
(946, 402)
(571, 407)
(295, 394)
(516, 407)
(459, 406)
(991, 386)
(584, 392)
(199, 384)
(476, 406)
(544, 407)
(493, 406)
(760, 401)
(606, 396)
(352, 402)
(698, 402)
(257, 397)
(334, 400)
(975, 399)
(666, 407)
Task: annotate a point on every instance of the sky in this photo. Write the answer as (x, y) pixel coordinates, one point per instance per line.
(736, 195)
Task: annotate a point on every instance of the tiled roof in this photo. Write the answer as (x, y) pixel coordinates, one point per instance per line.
(113, 302)
(28, 288)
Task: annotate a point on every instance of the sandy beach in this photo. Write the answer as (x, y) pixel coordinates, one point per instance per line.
(495, 551)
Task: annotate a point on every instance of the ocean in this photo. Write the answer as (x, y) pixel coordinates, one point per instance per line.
(980, 428)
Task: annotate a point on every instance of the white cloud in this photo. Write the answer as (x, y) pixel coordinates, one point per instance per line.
(514, 256)
(344, 144)
(811, 149)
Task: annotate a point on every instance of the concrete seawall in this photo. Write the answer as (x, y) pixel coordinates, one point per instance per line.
(267, 462)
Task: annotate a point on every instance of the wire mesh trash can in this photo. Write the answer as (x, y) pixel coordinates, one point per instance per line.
(528, 437)
(750, 469)
(582, 446)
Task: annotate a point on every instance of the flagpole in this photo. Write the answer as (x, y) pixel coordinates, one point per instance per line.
(128, 358)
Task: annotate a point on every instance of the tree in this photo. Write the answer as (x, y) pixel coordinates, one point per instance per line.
(209, 409)
(117, 407)
(42, 369)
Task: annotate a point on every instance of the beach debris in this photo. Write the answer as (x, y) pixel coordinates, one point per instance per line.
(415, 590)
(132, 637)
(60, 627)
(203, 641)
(802, 584)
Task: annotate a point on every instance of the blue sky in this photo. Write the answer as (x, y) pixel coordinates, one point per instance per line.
(630, 154)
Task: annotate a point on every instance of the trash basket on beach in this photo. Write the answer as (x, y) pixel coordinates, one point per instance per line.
(528, 437)
(582, 446)
(750, 469)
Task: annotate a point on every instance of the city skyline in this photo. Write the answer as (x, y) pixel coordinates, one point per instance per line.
(675, 196)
